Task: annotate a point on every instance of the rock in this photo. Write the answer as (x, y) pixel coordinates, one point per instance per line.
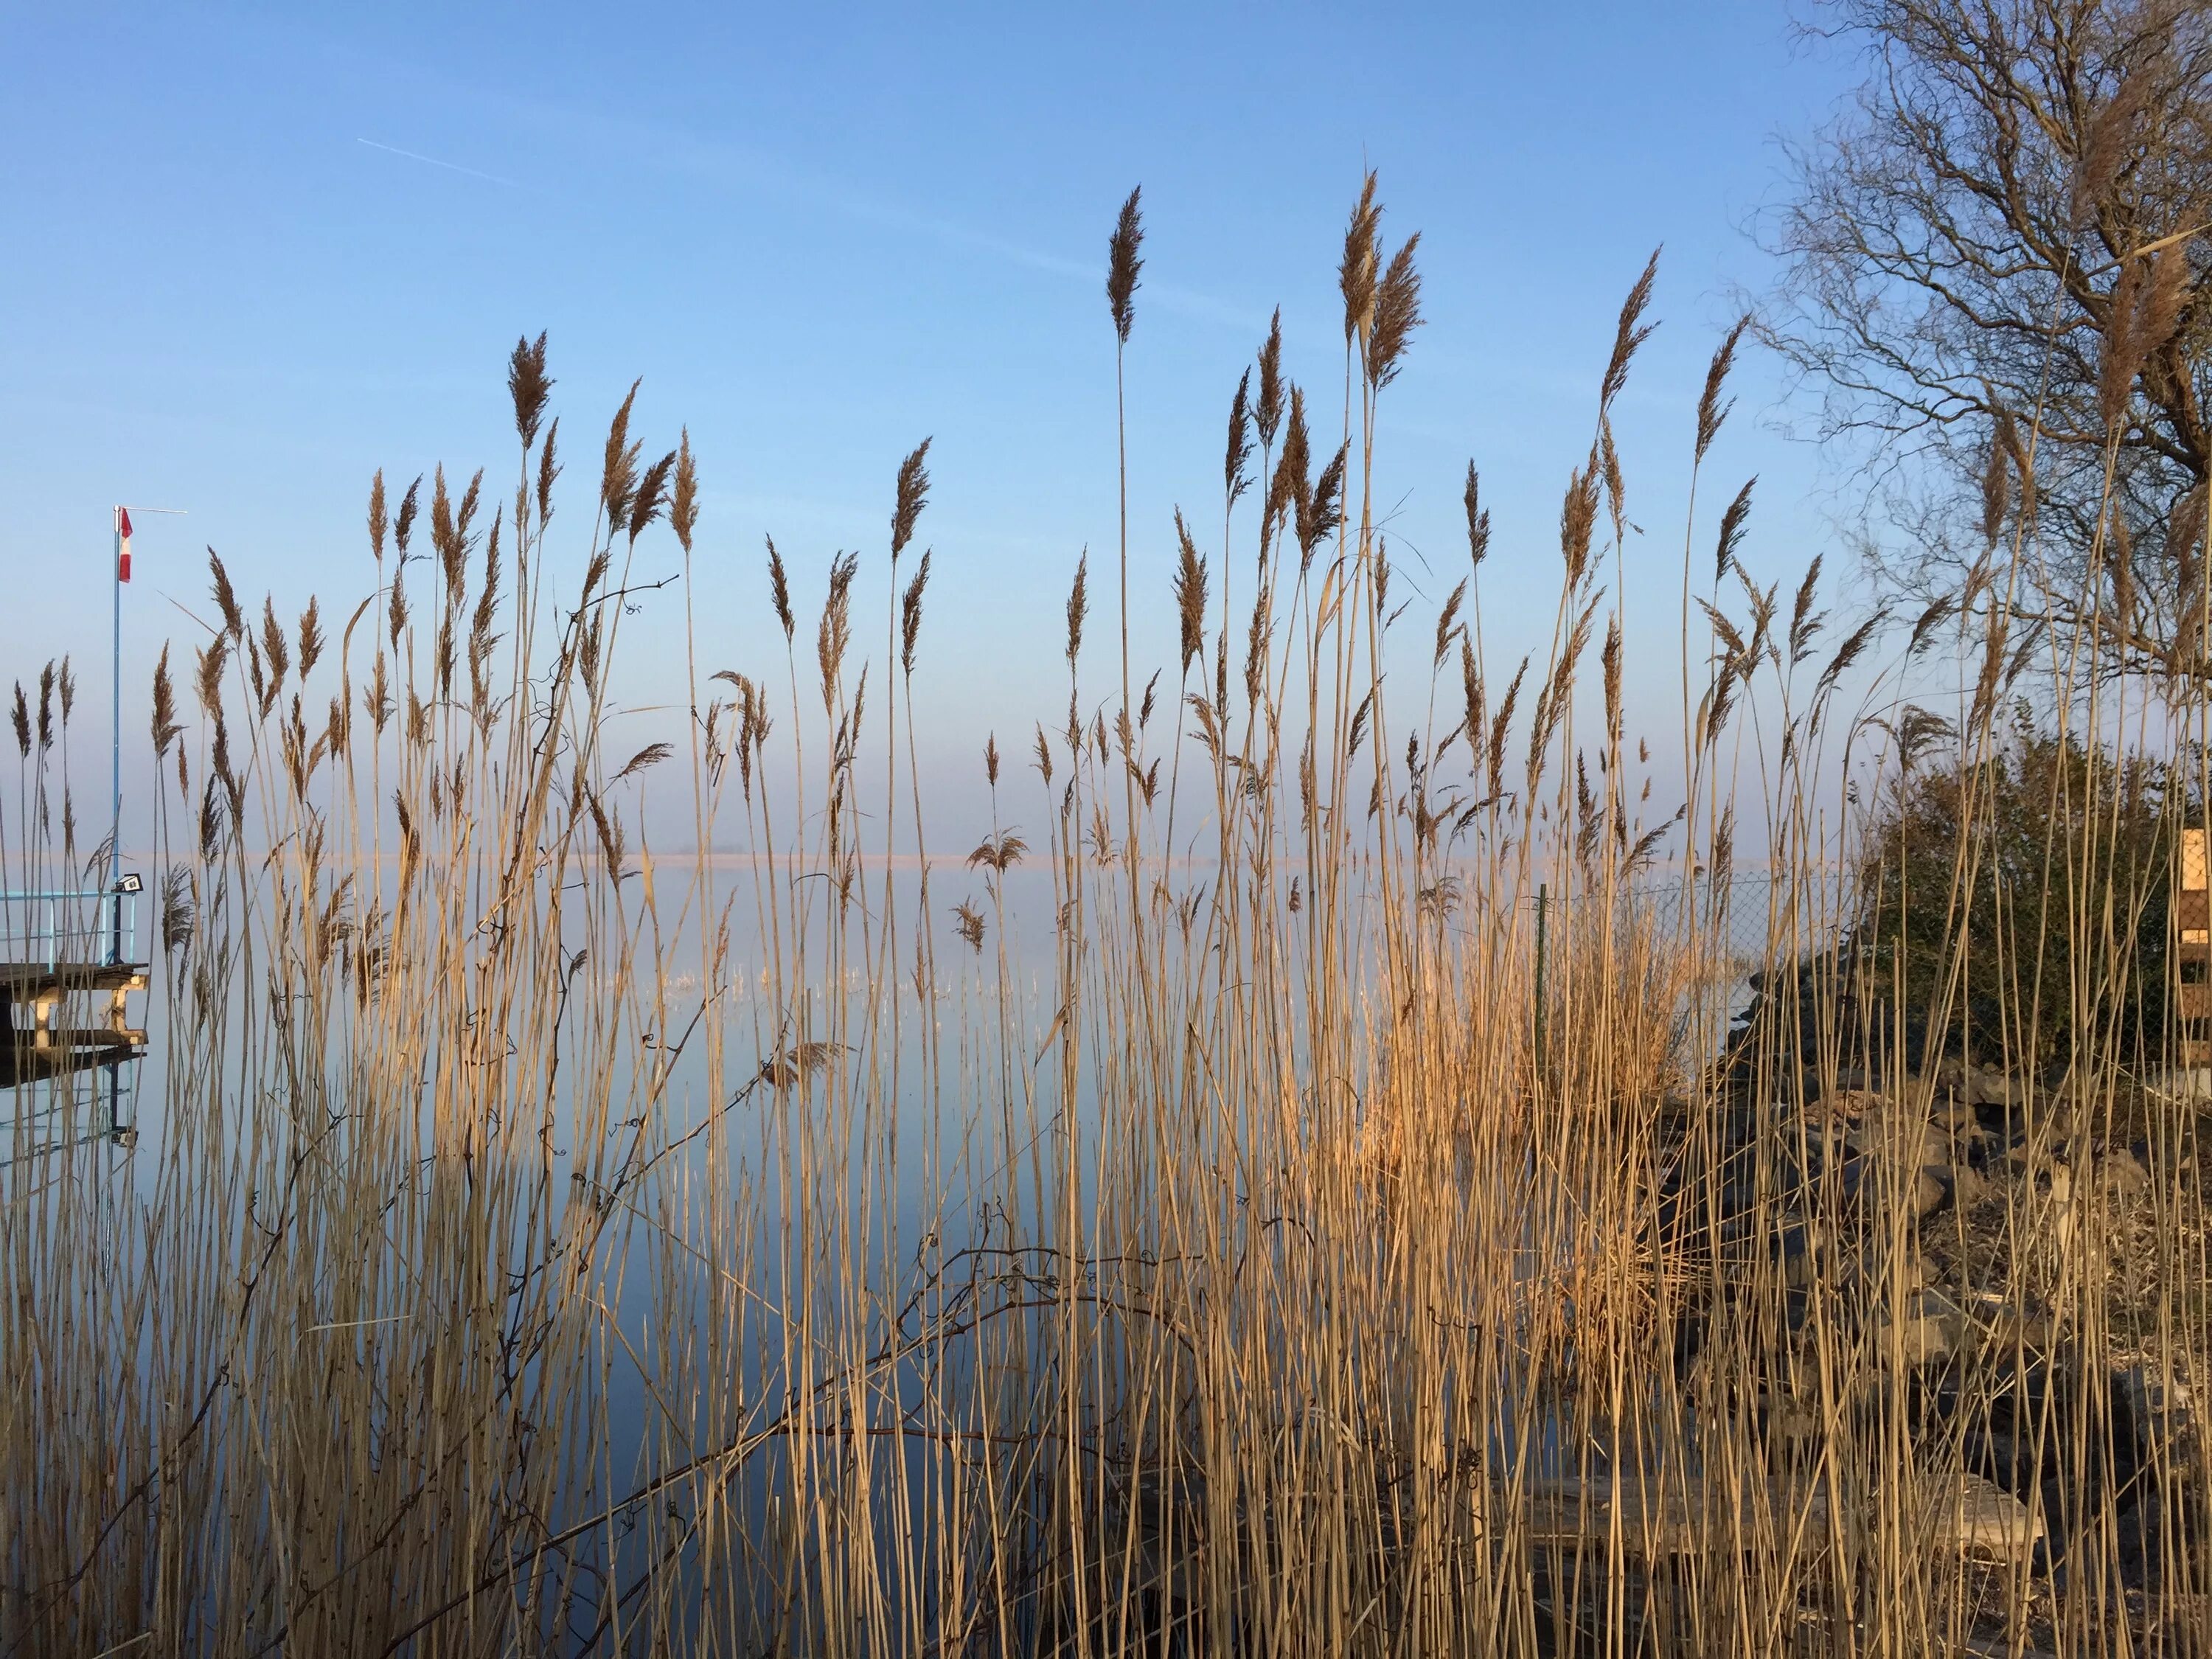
(1979, 1518)
(1899, 1139)
(2161, 1415)
(2190, 1083)
(1955, 1117)
(1996, 1453)
(1969, 1187)
(2007, 1329)
(1929, 1189)
(1800, 1251)
(1847, 1104)
(2140, 1530)
(2122, 1177)
(1904, 1156)
(1931, 1331)
(1983, 1086)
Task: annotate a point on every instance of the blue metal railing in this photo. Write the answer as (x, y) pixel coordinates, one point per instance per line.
(80, 925)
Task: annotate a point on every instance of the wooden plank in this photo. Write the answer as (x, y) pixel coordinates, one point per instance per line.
(101, 1037)
(21, 1064)
(2192, 910)
(25, 980)
(2193, 870)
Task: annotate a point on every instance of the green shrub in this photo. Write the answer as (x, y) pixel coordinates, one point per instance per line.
(2015, 902)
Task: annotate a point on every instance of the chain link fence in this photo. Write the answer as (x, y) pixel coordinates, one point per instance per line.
(1716, 938)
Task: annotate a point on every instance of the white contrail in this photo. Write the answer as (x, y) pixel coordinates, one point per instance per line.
(450, 166)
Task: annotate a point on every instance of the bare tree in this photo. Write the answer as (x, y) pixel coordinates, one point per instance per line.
(1995, 275)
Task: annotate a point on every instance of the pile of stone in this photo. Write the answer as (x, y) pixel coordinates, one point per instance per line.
(1939, 1234)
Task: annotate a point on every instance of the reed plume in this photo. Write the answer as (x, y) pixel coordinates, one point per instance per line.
(528, 386)
(913, 494)
(779, 589)
(1711, 412)
(618, 464)
(1357, 268)
(1397, 314)
(1478, 520)
(910, 616)
(1123, 263)
(1629, 333)
(1235, 476)
(403, 526)
(1189, 590)
(1268, 412)
(376, 518)
(1733, 522)
(683, 496)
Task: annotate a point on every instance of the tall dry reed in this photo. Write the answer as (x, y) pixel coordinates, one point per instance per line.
(537, 1243)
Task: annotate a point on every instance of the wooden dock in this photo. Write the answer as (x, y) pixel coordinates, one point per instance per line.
(40, 1002)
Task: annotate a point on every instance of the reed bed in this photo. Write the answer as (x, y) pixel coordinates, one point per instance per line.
(539, 1243)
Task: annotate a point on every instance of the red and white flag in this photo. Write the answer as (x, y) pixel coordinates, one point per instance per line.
(123, 543)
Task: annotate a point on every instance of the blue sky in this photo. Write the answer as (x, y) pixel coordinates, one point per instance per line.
(820, 235)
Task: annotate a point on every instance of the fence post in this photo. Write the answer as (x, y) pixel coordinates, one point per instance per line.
(1543, 897)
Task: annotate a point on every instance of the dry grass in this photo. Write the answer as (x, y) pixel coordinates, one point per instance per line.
(1258, 1287)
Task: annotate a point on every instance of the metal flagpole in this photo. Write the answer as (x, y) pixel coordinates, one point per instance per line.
(115, 746)
(115, 737)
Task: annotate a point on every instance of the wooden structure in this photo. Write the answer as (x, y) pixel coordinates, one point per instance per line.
(2192, 950)
(66, 976)
(37, 999)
